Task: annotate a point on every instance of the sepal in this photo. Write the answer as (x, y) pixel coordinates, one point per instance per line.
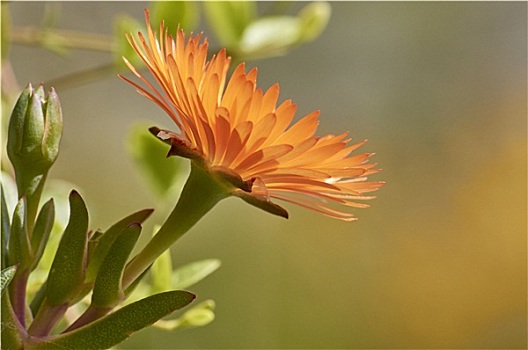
(262, 203)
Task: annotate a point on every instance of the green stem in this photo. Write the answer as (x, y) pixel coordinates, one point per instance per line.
(200, 194)
(31, 186)
(18, 295)
(46, 318)
(81, 77)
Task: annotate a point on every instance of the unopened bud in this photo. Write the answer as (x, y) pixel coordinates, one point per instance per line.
(35, 130)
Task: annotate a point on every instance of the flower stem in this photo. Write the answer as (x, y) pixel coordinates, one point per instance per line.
(31, 186)
(200, 194)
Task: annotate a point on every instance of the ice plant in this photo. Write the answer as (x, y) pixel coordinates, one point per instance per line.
(239, 141)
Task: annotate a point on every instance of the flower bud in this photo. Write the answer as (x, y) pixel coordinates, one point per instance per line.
(35, 130)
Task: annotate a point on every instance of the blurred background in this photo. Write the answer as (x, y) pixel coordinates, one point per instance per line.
(439, 260)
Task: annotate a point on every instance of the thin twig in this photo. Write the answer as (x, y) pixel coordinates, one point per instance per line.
(70, 39)
(83, 77)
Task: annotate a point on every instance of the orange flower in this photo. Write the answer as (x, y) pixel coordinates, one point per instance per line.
(239, 134)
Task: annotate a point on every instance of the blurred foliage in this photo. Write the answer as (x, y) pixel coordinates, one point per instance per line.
(149, 154)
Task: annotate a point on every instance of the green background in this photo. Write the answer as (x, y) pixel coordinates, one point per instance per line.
(438, 261)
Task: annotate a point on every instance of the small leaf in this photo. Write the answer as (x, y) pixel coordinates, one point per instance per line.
(67, 270)
(107, 291)
(42, 230)
(198, 316)
(228, 19)
(124, 24)
(7, 276)
(6, 227)
(18, 246)
(150, 155)
(193, 273)
(314, 18)
(119, 325)
(270, 36)
(106, 240)
(161, 272)
(184, 14)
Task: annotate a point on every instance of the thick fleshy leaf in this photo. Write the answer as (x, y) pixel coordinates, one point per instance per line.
(106, 240)
(7, 276)
(67, 270)
(198, 316)
(107, 291)
(193, 273)
(6, 227)
(228, 19)
(119, 325)
(42, 230)
(18, 246)
(149, 154)
(184, 14)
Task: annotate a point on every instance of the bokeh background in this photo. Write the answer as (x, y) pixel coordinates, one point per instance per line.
(439, 260)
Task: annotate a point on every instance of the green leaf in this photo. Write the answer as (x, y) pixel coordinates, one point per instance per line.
(161, 272)
(314, 18)
(174, 13)
(107, 239)
(7, 276)
(119, 325)
(193, 273)
(18, 245)
(67, 270)
(228, 19)
(42, 230)
(270, 36)
(6, 227)
(124, 24)
(107, 291)
(150, 155)
(198, 316)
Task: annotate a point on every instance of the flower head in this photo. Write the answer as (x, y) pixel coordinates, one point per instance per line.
(241, 136)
